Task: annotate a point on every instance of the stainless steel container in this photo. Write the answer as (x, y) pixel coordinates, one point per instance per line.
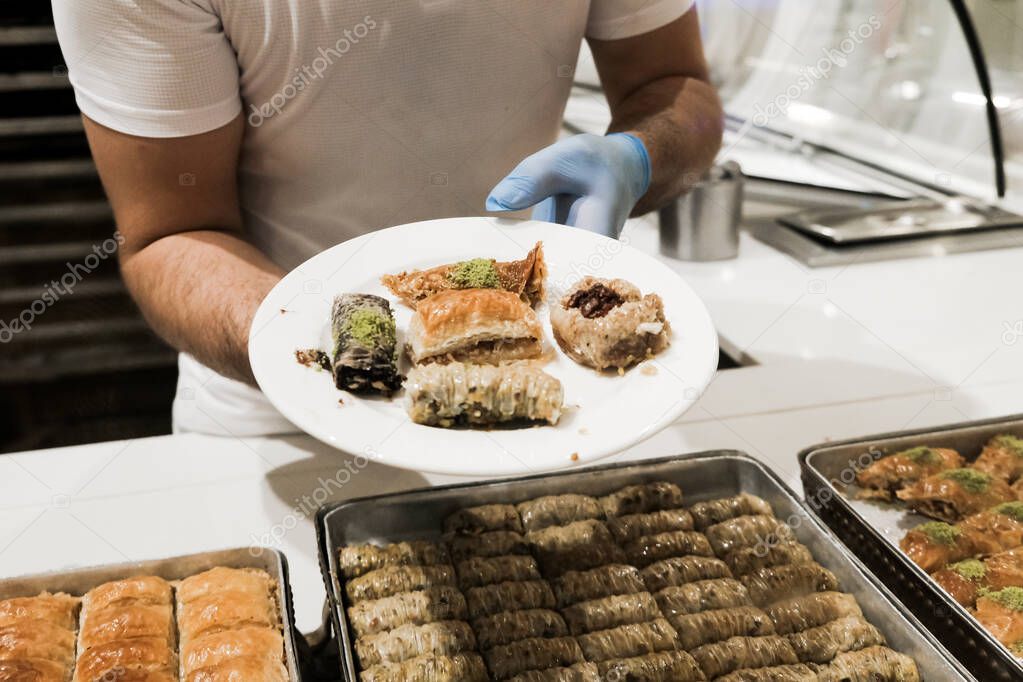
(703, 225)
(419, 514)
(873, 531)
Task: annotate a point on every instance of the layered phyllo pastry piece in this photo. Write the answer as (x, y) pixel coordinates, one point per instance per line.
(37, 637)
(996, 529)
(793, 672)
(702, 595)
(486, 517)
(576, 586)
(464, 667)
(514, 625)
(418, 608)
(524, 278)
(681, 570)
(1002, 456)
(487, 326)
(707, 627)
(512, 659)
(653, 548)
(822, 643)
(735, 653)
(628, 641)
(479, 571)
(496, 543)
(872, 663)
(509, 596)
(769, 585)
(356, 560)
(758, 531)
(749, 559)
(1001, 613)
(364, 355)
(610, 612)
(558, 510)
(580, 672)
(579, 545)
(442, 638)
(391, 580)
(934, 544)
(605, 323)
(955, 493)
(812, 610)
(666, 666)
(706, 514)
(889, 474)
(459, 394)
(641, 498)
(631, 527)
(963, 580)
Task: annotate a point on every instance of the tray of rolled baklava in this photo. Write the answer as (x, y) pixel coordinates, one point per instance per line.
(939, 513)
(703, 567)
(216, 616)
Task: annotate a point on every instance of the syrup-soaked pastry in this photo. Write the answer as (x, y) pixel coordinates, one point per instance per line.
(996, 529)
(641, 498)
(964, 580)
(610, 612)
(558, 510)
(748, 559)
(269, 669)
(577, 546)
(812, 610)
(510, 596)
(627, 641)
(824, 642)
(955, 493)
(463, 667)
(356, 560)
(665, 666)
(146, 658)
(258, 645)
(127, 621)
(651, 548)
(510, 626)
(486, 517)
(873, 664)
(706, 627)
(479, 571)
(769, 585)
(634, 526)
(59, 609)
(794, 672)
(1001, 614)
(34, 670)
(934, 544)
(364, 354)
(736, 653)
(889, 474)
(702, 595)
(444, 638)
(706, 514)
(604, 581)
(491, 544)
(511, 659)
(682, 570)
(580, 672)
(1004, 569)
(392, 580)
(417, 608)
(37, 637)
(748, 531)
(43, 640)
(1002, 456)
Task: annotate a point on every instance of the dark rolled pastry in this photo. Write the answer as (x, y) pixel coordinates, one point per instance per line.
(487, 517)
(577, 546)
(490, 599)
(364, 356)
(610, 612)
(706, 514)
(634, 526)
(748, 531)
(702, 595)
(676, 543)
(748, 559)
(479, 571)
(355, 560)
(823, 643)
(627, 641)
(642, 497)
(682, 570)
(736, 653)
(444, 638)
(532, 654)
(597, 583)
(812, 610)
(707, 627)
(558, 510)
(494, 543)
(666, 666)
(769, 585)
(465, 667)
(417, 608)
(794, 672)
(873, 664)
(511, 626)
(391, 580)
(580, 672)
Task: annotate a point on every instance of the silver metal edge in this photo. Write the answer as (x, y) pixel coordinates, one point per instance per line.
(650, 468)
(79, 580)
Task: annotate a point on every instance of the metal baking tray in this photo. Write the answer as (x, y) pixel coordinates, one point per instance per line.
(873, 529)
(418, 515)
(78, 581)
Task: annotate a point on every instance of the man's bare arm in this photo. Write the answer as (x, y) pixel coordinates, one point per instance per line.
(184, 258)
(658, 89)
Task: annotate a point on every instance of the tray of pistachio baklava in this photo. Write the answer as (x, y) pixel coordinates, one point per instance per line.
(937, 514)
(703, 567)
(223, 615)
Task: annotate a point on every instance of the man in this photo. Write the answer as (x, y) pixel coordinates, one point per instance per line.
(236, 138)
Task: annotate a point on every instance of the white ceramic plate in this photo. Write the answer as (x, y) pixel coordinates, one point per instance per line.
(605, 413)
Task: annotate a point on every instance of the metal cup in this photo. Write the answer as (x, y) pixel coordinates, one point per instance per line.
(704, 224)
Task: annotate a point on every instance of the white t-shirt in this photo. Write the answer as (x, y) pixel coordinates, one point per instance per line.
(361, 113)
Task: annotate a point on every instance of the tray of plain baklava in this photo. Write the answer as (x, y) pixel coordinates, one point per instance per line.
(703, 567)
(939, 512)
(224, 615)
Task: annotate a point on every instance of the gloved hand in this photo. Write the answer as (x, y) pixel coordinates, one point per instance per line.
(585, 181)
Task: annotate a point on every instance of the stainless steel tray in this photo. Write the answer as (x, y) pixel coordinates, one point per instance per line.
(872, 530)
(80, 580)
(418, 515)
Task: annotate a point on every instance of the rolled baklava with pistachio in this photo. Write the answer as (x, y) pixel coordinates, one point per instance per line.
(364, 357)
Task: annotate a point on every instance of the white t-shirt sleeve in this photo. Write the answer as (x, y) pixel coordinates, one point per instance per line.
(617, 19)
(157, 68)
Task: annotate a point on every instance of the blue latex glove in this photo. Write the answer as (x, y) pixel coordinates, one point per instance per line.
(585, 181)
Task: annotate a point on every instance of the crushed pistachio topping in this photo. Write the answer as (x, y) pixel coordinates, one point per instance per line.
(921, 455)
(1011, 443)
(370, 327)
(971, 569)
(971, 480)
(940, 532)
(1009, 597)
(478, 273)
(1013, 510)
